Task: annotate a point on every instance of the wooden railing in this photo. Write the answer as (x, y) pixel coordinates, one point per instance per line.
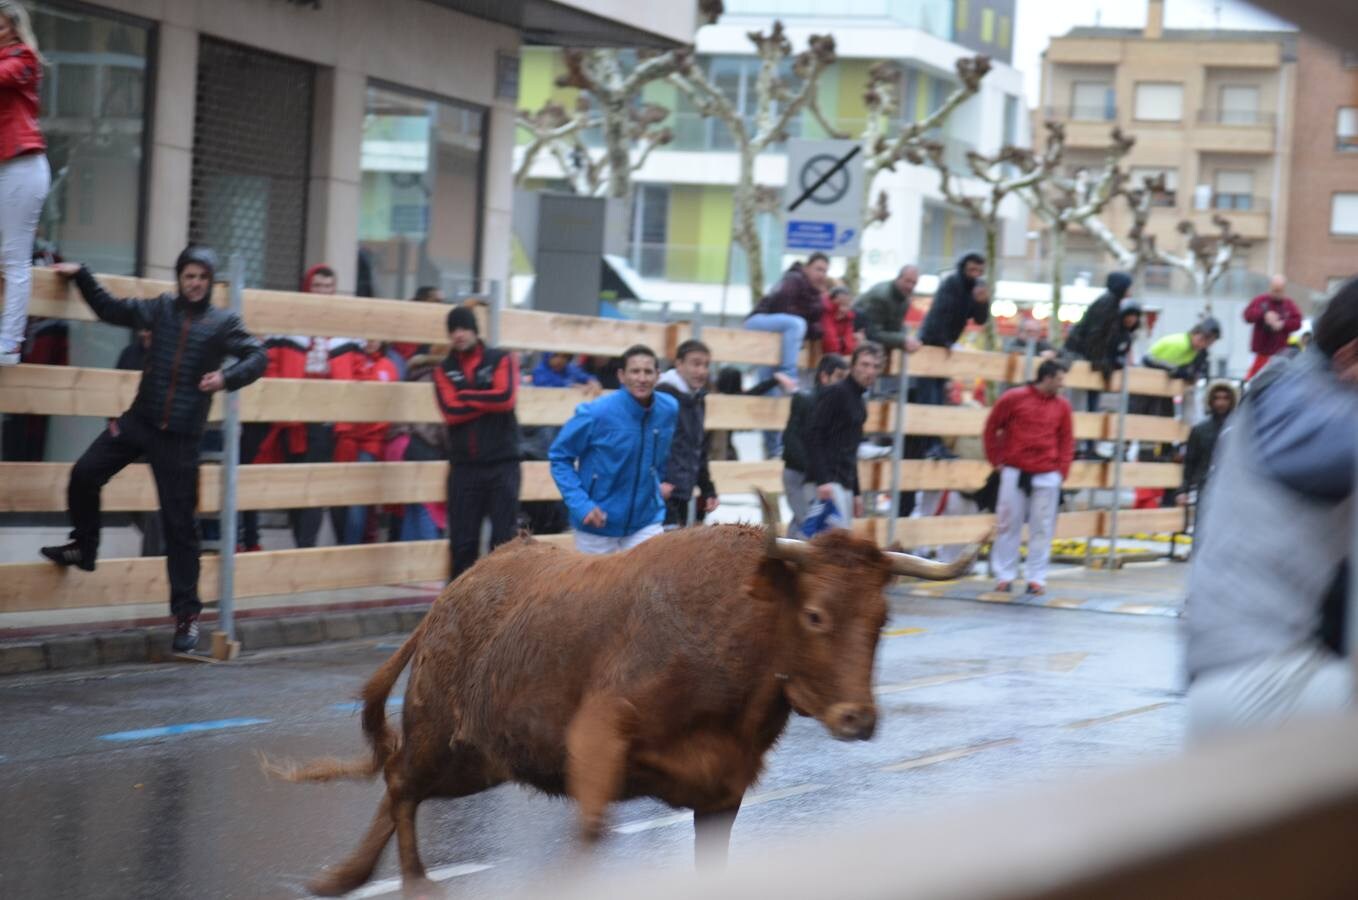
(75, 391)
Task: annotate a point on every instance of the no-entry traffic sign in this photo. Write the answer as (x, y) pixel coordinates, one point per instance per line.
(824, 196)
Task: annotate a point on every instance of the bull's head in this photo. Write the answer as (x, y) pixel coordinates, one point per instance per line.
(834, 609)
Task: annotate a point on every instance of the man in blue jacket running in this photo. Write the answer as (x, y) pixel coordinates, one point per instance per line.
(609, 458)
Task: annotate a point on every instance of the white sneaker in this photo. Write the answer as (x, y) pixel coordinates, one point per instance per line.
(9, 359)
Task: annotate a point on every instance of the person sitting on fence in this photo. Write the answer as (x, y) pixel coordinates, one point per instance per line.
(1260, 647)
(360, 441)
(478, 390)
(1029, 438)
(838, 324)
(835, 432)
(793, 309)
(1089, 337)
(687, 466)
(557, 370)
(608, 459)
(190, 339)
(961, 297)
(832, 369)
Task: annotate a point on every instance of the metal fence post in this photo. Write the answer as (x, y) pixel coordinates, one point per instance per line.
(1119, 451)
(226, 601)
(898, 446)
(696, 329)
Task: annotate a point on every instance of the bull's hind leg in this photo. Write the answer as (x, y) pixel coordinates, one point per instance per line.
(358, 868)
(596, 746)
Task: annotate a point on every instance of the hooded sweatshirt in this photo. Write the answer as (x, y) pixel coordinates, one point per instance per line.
(687, 466)
(953, 305)
(1089, 336)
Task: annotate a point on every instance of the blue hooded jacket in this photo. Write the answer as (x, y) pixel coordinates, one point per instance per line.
(612, 454)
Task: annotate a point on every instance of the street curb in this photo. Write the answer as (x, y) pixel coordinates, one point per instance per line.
(147, 645)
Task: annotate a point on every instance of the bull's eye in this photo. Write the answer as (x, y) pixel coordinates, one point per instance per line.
(815, 619)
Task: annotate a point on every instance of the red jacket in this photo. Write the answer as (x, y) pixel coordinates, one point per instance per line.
(836, 331)
(477, 392)
(1265, 341)
(1030, 431)
(350, 363)
(20, 78)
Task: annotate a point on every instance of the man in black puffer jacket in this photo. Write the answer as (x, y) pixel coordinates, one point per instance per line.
(190, 339)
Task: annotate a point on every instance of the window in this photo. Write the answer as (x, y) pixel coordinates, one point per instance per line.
(1346, 128)
(1170, 195)
(1344, 214)
(650, 229)
(988, 26)
(961, 16)
(94, 97)
(1157, 102)
(1092, 101)
(1233, 189)
(1239, 105)
(420, 194)
(1005, 32)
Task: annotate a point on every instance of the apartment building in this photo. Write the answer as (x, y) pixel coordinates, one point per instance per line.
(680, 238)
(1211, 110)
(1322, 229)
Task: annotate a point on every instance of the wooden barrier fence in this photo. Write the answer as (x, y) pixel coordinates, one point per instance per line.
(63, 390)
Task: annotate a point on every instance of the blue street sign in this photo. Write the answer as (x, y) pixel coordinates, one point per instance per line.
(802, 235)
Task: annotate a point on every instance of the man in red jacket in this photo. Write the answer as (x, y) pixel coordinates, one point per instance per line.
(1274, 317)
(1030, 439)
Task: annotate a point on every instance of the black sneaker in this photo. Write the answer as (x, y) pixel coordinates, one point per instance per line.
(70, 555)
(186, 633)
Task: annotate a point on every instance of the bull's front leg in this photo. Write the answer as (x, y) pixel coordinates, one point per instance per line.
(712, 835)
(597, 742)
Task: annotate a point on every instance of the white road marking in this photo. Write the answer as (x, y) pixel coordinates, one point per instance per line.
(1125, 714)
(687, 817)
(391, 885)
(920, 762)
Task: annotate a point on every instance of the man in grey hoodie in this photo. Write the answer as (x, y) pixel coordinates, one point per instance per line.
(1256, 594)
(687, 465)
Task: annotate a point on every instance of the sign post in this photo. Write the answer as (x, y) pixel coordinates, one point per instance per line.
(824, 197)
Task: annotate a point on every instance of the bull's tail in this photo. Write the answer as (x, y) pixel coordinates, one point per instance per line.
(383, 740)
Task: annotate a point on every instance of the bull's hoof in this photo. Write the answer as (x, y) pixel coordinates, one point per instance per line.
(421, 889)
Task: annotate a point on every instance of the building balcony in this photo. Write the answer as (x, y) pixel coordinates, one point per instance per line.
(1235, 131)
(1249, 215)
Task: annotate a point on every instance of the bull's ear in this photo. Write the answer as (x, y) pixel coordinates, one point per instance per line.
(773, 581)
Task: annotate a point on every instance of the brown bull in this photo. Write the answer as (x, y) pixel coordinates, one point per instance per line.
(667, 671)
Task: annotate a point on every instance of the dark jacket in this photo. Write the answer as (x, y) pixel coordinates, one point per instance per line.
(881, 314)
(687, 466)
(477, 392)
(795, 294)
(1089, 337)
(794, 435)
(953, 305)
(1202, 443)
(834, 435)
(1118, 345)
(188, 340)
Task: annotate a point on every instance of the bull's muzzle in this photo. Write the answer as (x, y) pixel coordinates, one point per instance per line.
(852, 721)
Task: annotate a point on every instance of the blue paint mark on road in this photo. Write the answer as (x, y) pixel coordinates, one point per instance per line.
(356, 706)
(187, 728)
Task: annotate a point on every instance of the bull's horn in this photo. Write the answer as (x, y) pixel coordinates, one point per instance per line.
(918, 567)
(774, 546)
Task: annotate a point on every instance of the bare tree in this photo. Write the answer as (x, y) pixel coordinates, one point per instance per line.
(1139, 249)
(1061, 201)
(779, 99)
(882, 149)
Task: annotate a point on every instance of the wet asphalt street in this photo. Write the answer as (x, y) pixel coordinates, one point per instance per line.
(144, 781)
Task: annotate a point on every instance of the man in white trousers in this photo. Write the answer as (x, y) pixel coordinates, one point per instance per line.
(1030, 439)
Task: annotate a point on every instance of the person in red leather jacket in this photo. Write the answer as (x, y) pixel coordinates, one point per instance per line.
(360, 441)
(1029, 438)
(24, 174)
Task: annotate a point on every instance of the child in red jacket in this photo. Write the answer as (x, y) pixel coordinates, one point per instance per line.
(837, 322)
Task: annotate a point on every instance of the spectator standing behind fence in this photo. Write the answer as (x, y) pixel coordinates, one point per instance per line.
(190, 339)
(1202, 443)
(961, 297)
(793, 309)
(407, 349)
(835, 432)
(882, 308)
(420, 442)
(360, 441)
(1089, 337)
(1274, 316)
(687, 466)
(1256, 653)
(832, 369)
(24, 174)
(1030, 439)
(1030, 331)
(478, 389)
(558, 371)
(608, 459)
(838, 325)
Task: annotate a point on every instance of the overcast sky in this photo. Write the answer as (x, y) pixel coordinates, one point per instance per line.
(1038, 21)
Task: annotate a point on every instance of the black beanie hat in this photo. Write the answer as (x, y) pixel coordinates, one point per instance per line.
(203, 256)
(462, 317)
